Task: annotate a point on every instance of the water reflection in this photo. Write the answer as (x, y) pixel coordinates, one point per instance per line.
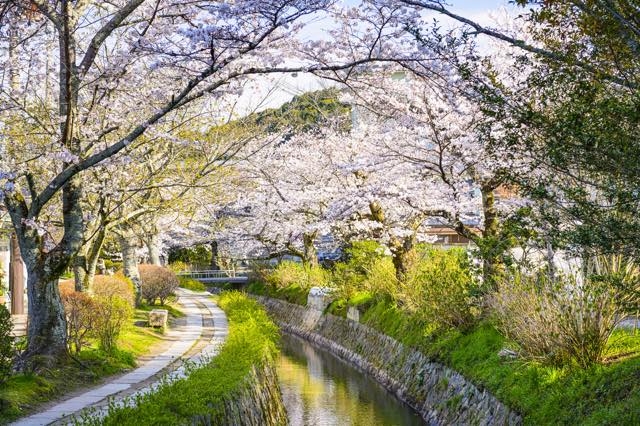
(321, 390)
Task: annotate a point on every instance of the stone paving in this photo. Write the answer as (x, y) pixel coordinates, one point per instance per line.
(116, 390)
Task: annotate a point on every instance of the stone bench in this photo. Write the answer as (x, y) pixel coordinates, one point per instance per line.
(158, 318)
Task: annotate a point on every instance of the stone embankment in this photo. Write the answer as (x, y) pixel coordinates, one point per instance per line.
(257, 403)
(441, 395)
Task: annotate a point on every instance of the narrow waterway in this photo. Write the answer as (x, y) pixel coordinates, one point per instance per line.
(320, 389)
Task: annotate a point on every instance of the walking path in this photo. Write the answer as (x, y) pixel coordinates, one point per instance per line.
(122, 390)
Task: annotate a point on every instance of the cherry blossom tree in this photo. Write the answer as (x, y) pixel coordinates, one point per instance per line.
(327, 183)
(94, 77)
(444, 135)
(288, 187)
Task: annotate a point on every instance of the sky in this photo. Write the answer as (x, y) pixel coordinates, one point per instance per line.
(274, 91)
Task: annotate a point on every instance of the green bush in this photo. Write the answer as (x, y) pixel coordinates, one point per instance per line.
(6, 344)
(288, 274)
(112, 265)
(111, 315)
(292, 294)
(198, 256)
(363, 259)
(381, 278)
(191, 284)
(200, 398)
(441, 289)
(178, 266)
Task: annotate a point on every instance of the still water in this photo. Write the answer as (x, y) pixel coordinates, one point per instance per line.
(319, 389)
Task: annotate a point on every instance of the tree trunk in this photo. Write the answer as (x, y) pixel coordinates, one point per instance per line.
(309, 254)
(152, 241)
(492, 265)
(128, 245)
(93, 256)
(47, 333)
(377, 215)
(80, 272)
(214, 256)
(403, 255)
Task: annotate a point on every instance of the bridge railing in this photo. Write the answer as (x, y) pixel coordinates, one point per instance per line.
(217, 274)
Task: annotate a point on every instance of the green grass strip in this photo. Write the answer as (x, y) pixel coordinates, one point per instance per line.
(252, 340)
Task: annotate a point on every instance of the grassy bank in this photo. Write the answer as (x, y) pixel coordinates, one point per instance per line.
(23, 393)
(292, 294)
(607, 394)
(252, 339)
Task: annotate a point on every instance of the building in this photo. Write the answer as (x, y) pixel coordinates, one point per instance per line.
(12, 269)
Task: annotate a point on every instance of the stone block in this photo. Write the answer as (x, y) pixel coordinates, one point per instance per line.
(158, 318)
(319, 298)
(353, 314)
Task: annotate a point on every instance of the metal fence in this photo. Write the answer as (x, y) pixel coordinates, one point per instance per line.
(214, 275)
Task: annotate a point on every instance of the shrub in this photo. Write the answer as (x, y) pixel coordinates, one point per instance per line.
(198, 256)
(66, 286)
(80, 312)
(157, 283)
(368, 267)
(114, 285)
(191, 284)
(7, 351)
(112, 265)
(111, 315)
(558, 321)
(178, 266)
(440, 290)
(381, 278)
(288, 274)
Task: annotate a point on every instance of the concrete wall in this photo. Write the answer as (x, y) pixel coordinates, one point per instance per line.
(441, 395)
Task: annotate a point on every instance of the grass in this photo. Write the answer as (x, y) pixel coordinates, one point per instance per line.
(23, 393)
(191, 284)
(292, 294)
(606, 394)
(362, 300)
(198, 399)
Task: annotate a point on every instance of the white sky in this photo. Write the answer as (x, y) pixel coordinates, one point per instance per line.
(273, 91)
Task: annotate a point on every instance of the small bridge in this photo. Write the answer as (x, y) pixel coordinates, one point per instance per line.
(217, 277)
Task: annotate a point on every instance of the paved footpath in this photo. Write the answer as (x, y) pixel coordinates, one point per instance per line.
(122, 390)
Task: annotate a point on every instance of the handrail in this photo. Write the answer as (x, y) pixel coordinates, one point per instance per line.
(221, 274)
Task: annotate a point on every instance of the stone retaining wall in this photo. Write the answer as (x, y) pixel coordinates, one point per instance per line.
(257, 403)
(441, 395)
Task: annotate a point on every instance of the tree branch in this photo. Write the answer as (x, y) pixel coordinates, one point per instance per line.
(554, 56)
(104, 32)
(185, 97)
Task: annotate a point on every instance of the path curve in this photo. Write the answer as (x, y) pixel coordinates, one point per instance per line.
(124, 388)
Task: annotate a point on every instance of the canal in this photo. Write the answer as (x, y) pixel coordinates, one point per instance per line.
(320, 389)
